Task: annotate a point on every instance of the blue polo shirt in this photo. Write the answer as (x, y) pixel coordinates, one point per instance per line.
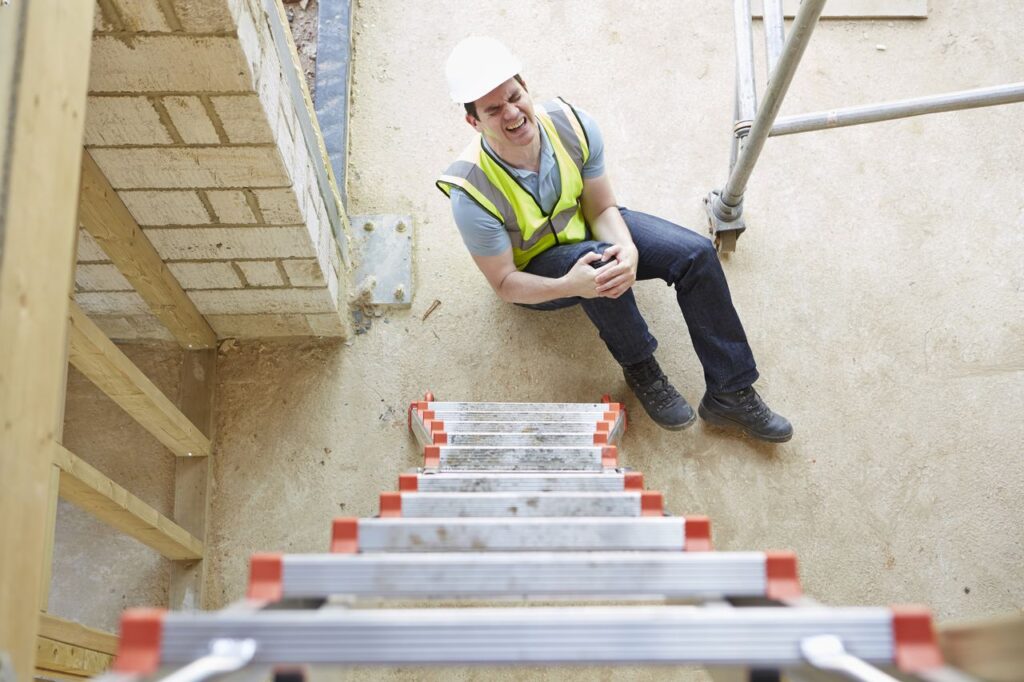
(483, 234)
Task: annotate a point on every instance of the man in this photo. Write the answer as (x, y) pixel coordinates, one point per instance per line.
(537, 213)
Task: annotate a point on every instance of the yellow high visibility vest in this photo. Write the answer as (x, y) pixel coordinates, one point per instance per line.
(531, 230)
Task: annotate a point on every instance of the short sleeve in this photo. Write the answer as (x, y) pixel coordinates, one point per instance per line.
(594, 167)
(482, 233)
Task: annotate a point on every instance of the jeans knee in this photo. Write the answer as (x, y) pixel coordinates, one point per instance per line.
(706, 250)
(696, 256)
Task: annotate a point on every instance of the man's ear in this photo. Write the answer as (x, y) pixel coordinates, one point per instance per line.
(473, 122)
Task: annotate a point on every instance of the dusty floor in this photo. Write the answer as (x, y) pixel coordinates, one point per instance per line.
(880, 283)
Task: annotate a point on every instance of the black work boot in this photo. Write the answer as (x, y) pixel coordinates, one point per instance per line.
(744, 410)
(660, 399)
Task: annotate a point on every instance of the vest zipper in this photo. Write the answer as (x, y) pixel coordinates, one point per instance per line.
(536, 202)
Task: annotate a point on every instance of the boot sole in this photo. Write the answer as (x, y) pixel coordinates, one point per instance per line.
(677, 427)
(732, 425)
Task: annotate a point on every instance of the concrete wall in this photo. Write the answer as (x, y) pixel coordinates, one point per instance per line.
(194, 119)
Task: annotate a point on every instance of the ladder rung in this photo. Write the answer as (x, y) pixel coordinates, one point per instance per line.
(483, 440)
(756, 637)
(442, 406)
(452, 426)
(526, 534)
(574, 417)
(447, 575)
(608, 480)
(517, 504)
(433, 429)
(521, 458)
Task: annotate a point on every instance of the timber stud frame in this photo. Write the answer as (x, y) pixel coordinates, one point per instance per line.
(47, 180)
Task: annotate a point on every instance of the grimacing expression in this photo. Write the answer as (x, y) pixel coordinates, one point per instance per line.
(505, 115)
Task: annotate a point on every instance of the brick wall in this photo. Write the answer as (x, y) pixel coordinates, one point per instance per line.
(193, 118)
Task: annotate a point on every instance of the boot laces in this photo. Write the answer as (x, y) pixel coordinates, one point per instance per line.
(752, 404)
(654, 387)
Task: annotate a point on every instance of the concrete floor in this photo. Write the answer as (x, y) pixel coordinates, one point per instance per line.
(880, 283)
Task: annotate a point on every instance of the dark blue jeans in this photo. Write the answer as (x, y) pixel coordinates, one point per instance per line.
(688, 262)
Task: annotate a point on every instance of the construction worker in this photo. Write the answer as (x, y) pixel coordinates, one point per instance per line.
(536, 210)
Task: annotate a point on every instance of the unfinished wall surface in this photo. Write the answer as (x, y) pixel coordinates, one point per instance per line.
(196, 115)
(97, 570)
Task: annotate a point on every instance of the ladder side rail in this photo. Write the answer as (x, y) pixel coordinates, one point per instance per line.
(887, 111)
(418, 428)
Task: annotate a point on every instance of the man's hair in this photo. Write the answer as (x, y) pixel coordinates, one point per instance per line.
(471, 106)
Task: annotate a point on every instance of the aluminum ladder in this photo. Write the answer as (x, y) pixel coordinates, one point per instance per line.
(526, 502)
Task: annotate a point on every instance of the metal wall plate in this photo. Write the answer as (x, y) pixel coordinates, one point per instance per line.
(384, 259)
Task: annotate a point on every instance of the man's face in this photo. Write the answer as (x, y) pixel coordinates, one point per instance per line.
(505, 115)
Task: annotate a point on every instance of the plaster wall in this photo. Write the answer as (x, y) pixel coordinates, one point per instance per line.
(880, 283)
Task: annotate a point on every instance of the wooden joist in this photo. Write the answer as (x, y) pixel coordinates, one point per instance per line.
(87, 488)
(67, 650)
(991, 649)
(108, 220)
(76, 634)
(70, 660)
(105, 365)
(192, 476)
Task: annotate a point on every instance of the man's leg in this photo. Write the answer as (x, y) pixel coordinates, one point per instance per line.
(688, 262)
(625, 333)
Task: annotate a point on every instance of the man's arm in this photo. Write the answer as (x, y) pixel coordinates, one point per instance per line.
(606, 224)
(514, 286)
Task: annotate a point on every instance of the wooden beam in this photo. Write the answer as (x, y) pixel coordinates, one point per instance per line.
(105, 365)
(54, 492)
(192, 477)
(992, 649)
(43, 115)
(69, 659)
(108, 220)
(51, 534)
(76, 634)
(87, 488)
(48, 675)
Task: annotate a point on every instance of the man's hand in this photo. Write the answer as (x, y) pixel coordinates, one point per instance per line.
(615, 279)
(579, 281)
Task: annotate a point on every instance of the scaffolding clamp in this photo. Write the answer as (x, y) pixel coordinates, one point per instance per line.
(725, 222)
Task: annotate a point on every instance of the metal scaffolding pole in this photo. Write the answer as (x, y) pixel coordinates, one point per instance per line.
(886, 111)
(774, 32)
(746, 84)
(725, 208)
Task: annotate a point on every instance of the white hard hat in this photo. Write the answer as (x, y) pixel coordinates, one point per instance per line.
(476, 66)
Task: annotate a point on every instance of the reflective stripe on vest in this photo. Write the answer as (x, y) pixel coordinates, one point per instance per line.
(531, 230)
